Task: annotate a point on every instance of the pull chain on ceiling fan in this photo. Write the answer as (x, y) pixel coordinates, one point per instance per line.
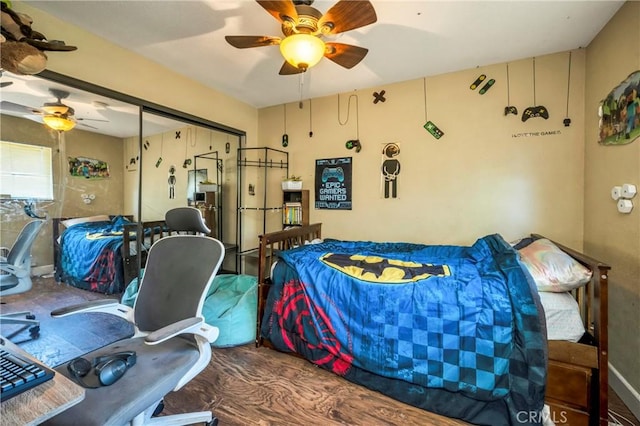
(304, 27)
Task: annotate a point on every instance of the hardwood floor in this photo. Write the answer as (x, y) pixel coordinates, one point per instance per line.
(248, 386)
(242, 385)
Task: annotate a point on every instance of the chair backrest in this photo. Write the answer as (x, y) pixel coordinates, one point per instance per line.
(177, 277)
(187, 219)
(20, 252)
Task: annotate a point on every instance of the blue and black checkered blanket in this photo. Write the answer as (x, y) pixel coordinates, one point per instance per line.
(451, 329)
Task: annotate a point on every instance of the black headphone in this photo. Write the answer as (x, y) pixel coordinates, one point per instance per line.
(108, 368)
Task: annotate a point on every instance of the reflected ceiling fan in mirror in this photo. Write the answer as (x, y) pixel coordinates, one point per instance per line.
(304, 28)
(56, 115)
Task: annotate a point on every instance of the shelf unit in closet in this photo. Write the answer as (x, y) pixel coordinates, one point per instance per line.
(295, 207)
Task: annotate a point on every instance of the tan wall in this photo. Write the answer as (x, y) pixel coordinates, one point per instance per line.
(609, 235)
(67, 189)
(487, 174)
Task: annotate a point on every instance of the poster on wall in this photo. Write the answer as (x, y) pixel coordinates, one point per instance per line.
(333, 183)
(390, 169)
(88, 168)
(620, 113)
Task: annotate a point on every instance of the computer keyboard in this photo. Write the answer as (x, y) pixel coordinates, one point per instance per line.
(18, 374)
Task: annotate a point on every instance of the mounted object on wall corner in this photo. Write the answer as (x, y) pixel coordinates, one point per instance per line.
(623, 195)
(619, 113)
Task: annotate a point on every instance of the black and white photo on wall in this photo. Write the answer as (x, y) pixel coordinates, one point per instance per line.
(333, 183)
(390, 169)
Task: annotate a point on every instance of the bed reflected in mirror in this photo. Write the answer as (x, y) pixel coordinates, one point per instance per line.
(105, 164)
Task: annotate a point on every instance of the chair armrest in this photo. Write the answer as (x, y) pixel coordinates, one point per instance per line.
(11, 269)
(107, 306)
(193, 325)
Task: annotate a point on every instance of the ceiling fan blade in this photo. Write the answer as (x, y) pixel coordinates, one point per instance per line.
(288, 69)
(347, 15)
(90, 119)
(243, 42)
(22, 109)
(280, 9)
(345, 55)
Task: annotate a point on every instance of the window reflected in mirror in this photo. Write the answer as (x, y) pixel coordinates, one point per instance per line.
(119, 168)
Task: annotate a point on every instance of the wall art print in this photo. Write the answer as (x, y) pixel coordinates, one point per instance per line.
(390, 169)
(620, 113)
(333, 183)
(88, 168)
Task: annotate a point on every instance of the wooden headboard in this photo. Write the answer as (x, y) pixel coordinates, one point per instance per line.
(269, 246)
(594, 310)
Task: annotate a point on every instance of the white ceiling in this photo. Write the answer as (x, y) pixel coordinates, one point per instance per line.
(411, 39)
(93, 113)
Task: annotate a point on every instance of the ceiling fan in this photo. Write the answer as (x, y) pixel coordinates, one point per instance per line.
(56, 115)
(304, 28)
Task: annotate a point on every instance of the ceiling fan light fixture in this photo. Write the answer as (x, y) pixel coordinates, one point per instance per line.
(302, 50)
(59, 123)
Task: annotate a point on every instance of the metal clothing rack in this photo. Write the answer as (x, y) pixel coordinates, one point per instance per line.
(261, 158)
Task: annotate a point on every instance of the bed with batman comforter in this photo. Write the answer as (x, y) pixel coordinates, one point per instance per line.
(454, 330)
(100, 254)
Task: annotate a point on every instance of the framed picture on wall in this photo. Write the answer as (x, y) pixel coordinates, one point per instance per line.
(620, 113)
(333, 183)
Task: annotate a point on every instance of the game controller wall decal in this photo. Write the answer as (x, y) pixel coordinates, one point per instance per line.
(567, 120)
(285, 136)
(429, 126)
(353, 143)
(479, 80)
(488, 85)
(509, 109)
(536, 110)
(379, 96)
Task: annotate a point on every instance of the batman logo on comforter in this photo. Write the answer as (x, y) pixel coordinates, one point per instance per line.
(383, 270)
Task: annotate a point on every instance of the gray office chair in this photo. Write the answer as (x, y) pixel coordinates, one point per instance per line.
(186, 219)
(15, 274)
(171, 340)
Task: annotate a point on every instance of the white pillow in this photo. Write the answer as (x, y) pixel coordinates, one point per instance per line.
(98, 218)
(562, 314)
(551, 268)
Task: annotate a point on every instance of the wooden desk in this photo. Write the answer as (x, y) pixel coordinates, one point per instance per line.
(38, 404)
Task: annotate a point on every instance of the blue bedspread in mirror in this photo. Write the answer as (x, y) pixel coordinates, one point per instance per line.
(91, 256)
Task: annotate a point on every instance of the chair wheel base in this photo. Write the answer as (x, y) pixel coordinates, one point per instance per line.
(30, 317)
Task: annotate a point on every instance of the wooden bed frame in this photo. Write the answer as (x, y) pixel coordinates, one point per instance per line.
(129, 260)
(577, 383)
